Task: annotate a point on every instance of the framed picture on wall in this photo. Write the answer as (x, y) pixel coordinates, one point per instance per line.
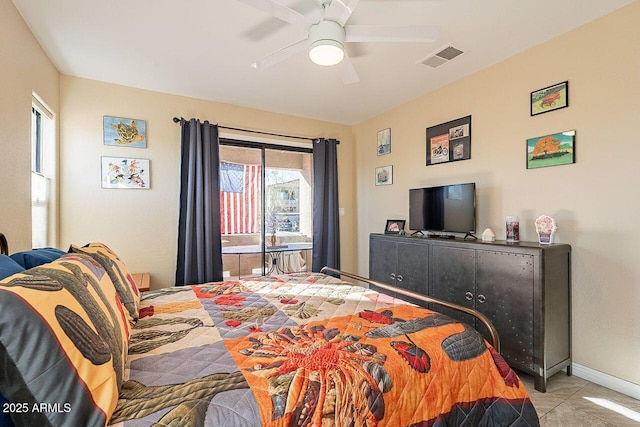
(449, 142)
(551, 150)
(384, 175)
(384, 141)
(550, 98)
(123, 132)
(125, 172)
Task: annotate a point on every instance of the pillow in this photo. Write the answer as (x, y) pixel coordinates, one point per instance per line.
(8, 267)
(36, 257)
(119, 274)
(5, 418)
(63, 339)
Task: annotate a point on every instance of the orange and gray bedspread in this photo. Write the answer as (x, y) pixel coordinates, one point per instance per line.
(309, 350)
(64, 332)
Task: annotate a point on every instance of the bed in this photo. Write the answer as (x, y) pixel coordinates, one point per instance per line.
(305, 349)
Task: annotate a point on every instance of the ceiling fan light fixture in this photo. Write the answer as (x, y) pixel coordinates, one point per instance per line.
(326, 52)
(326, 43)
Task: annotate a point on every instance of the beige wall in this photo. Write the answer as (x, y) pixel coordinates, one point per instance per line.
(595, 200)
(141, 225)
(24, 69)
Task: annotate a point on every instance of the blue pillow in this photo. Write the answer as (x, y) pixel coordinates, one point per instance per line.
(9, 267)
(5, 417)
(36, 257)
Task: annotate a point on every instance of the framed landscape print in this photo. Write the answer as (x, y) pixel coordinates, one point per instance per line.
(449, 142)
(125, 172)
(551, 150)
(550, 98)
(124, 132)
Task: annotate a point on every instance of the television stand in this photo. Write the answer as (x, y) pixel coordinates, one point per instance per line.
(417, 233)
(469, 234)
(525, 288)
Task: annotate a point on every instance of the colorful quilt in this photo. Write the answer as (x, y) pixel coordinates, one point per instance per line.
(309, 350)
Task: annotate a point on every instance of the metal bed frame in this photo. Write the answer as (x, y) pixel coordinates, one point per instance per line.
(495, 339)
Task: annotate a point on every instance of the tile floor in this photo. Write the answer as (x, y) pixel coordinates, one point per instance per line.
(572, 401)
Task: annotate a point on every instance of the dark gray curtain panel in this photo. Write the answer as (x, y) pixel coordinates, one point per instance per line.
(199, 242)
(326, 221)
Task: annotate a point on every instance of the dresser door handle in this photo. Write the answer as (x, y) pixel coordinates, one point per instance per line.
(468, 296)
(482, 299)
(400, 277)
(393, 276)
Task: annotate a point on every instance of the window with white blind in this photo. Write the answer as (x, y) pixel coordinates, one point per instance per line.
(42, 171)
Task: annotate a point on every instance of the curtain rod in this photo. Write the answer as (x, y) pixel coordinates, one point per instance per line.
(178, 120)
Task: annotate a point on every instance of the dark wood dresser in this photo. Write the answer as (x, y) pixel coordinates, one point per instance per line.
(523, 288)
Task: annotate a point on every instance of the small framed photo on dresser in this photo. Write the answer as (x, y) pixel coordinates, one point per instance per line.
(394, 226)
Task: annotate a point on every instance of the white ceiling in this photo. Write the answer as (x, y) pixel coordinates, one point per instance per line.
(203, 48)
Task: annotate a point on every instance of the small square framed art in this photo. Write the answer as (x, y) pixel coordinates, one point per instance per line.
(384, 175)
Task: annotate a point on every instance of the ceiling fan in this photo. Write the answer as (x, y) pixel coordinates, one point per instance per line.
(326, 37)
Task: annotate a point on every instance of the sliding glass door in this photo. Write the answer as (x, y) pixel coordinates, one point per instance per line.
(266, 209)
(288, 211)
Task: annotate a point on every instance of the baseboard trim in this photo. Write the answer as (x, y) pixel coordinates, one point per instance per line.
(606, 380)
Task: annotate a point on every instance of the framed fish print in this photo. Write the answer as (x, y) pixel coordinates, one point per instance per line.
(125, 172)
(123, 132)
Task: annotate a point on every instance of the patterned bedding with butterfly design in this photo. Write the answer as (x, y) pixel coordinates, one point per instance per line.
(309, 350)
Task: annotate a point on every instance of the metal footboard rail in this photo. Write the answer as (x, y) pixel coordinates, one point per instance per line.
(495, 339)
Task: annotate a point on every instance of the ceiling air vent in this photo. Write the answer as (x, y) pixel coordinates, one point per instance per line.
(440, 57)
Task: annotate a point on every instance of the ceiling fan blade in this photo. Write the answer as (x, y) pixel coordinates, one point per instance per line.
(340, 10)
(347, 71)
(270, 24)
(390, 33)
(281, 55)
(281, 12)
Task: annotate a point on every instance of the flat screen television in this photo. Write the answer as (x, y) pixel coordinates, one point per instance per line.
(447, 208)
